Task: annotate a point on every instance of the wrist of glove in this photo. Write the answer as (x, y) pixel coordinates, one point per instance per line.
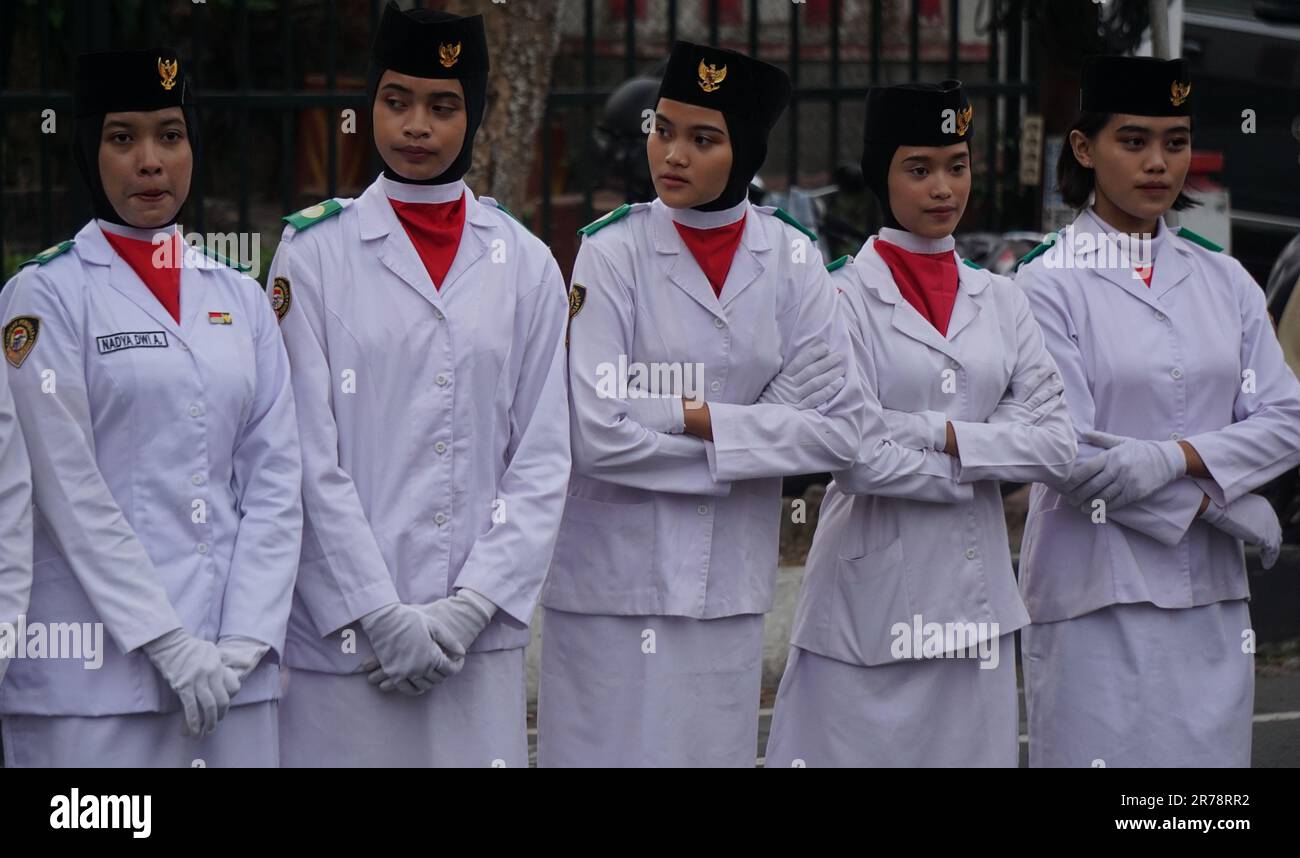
(408, 659)
(919, 430)
(458, 620)
(663, 414)
(241, 654)
(1251, 519)
(194, 670)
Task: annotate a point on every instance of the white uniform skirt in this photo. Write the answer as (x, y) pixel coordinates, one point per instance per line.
(916, 713)
(613, 695)
(1137, 685)
(477, 718)
(245, 738)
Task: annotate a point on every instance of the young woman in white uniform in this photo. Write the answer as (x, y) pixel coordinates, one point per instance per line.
(960, 369)
(153, 390)
(705, 361)
(1140, 652)
(425, 328)
(15, 526)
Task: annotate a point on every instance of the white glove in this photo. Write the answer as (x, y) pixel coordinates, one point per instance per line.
(409, 660)
(1126, 471)
(1251, 519)
(194, 670)
(920, 430)
(808, 380)
(657, 413)
(241, 654)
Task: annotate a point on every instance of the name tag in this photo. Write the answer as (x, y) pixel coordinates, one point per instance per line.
(131, 340)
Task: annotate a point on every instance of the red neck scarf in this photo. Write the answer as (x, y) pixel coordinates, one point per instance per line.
(435, 230)
(927, 280)
(713, 249)
(1145, 272)
(163, 282)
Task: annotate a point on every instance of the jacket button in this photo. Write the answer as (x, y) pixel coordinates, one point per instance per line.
(702, 509)
(197, 479)
(440, 519)
(1160, 317)
(1175, 436)
(440, 447)
(970, 553)
(195, 410)
(441, 380)
(715, 386)
(718, 323)
(437, 314)
(1176, 372)
(202, 548)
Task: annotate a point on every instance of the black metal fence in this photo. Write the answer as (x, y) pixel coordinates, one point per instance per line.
(265, 67)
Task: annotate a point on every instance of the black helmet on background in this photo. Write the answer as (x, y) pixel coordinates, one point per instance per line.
(620, 137)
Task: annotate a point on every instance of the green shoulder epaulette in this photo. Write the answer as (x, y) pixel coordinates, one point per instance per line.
(1038, 251)
(313, 215)
(839, 263)
(789, 218)
(50, 252)
(238, 266)
(1184, 232)
(511, 214)
(600, 223)
(972, 264)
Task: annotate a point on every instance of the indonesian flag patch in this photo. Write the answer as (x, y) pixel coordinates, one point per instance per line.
(218, 318)
(20, 337)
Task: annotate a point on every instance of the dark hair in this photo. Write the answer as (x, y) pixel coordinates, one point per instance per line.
(1075, 181)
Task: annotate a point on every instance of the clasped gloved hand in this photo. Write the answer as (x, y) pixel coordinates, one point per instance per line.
(1251, 519)
(808, 380)
(458, 620)
(409, 659)
(194, 670)
(1126, 471)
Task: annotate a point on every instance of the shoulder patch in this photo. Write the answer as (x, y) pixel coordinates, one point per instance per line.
(1038, 251)
(789, 218)
(229, 263)
(968, 263)
(50, 252)
(313, 215)
(20, 337)
(281, 297)
(600, 223)
(839, 263)
(1184, 232)
(577, 297)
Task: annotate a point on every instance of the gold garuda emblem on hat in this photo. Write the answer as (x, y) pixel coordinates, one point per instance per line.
(963, 119)
(711, 77)
(167, 71)
(448, 55)
(1178, 93)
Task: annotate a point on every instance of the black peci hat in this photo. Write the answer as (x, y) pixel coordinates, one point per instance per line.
(130, 80)
(726, 81)
(1142, 86)
(919, 114)
(429, 44)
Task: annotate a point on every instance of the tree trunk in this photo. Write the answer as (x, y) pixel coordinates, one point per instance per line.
(523, 36)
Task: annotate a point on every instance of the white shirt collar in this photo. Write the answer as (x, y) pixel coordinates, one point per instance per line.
(136, 233)
(916, 243)
(404, 193)
(709, 220)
